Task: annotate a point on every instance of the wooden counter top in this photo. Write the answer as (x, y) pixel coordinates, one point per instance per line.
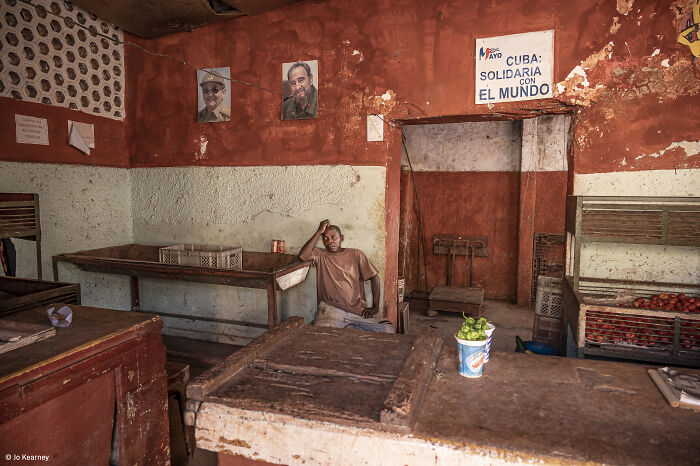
(91, 327)
(527, 408)
(63, 397)
(566, 408)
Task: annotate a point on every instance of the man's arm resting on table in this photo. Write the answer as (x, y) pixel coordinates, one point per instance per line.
(372, 311)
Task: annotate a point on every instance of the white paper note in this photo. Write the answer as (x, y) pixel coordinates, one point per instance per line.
(375, 127)
(86, 131)
(31, 130)
(77, 141)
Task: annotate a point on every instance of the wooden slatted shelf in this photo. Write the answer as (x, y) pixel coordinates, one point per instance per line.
(19, 218)
(668, 221)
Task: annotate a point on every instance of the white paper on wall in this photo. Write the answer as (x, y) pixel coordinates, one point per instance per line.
(81, 136)
(375, 127)
(31, 130)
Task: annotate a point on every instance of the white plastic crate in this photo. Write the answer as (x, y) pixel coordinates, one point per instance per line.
(548, 302)
(200, 255)
(547, 329)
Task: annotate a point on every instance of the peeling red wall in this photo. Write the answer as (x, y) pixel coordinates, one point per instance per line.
(550, 204)
(643, 95)
(542, 209)
(467, 203)
(110, 136)
(423, 56)
(484, 204)
(636, 105)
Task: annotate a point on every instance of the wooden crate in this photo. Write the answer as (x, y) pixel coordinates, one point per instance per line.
(18, 294)
(651, 335)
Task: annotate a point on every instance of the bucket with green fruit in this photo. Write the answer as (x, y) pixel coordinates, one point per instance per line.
(471, 346)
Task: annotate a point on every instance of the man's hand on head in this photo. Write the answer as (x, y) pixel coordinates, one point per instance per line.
(323, 225)
(369, 312)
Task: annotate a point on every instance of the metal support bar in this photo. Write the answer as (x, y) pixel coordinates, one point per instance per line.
(135, 298)
(271, 304)
(242, 323)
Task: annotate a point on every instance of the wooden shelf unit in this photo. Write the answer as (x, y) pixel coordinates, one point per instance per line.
(671, 221)
(19, 218)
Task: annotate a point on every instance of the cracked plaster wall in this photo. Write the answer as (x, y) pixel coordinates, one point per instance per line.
(248, 207)
(636, 93)
(478, 146)
(81, 207)
(84, 207)
(487, 146)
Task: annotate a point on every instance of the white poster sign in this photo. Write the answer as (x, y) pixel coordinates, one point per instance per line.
(515, 67)
(31, 130)
(85, 130)
(375, 127)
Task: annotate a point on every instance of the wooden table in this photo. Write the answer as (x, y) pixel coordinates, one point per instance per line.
(59, 397)
(17, 294)
(281, 402)
(455, 299)
(271, 271)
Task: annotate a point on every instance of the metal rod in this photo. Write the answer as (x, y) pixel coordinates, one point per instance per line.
(208, 319)
(471, 267)
(451, 276)
(421, 233)
(135, 297)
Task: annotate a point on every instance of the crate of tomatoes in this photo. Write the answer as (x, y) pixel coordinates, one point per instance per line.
(662, 328)
(668, 302)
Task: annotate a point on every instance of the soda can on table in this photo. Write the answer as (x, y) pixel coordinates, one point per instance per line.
(281, 246)
(274, 246)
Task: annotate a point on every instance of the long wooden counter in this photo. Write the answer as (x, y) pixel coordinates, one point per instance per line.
(62, 396)
(268, 271)
(525, 408)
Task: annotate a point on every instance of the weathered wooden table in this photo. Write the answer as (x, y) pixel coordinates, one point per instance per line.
(17, 294)
(271, 271)
(340, 396)
(61, 397)
(455, 299)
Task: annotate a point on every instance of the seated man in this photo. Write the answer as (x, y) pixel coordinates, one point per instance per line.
(341, 274)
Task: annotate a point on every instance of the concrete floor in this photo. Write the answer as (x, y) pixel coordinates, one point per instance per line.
(510, 320)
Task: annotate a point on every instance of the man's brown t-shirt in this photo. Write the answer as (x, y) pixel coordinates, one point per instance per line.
(341, 278)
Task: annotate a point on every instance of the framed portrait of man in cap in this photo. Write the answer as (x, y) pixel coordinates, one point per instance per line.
(214, 100)
(300, 90)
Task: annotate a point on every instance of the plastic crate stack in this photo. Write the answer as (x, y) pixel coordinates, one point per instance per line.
(548, 306)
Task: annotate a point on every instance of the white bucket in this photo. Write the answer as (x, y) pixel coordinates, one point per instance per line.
(471, 357)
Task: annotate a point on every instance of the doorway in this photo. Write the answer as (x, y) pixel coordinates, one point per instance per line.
(505, 180)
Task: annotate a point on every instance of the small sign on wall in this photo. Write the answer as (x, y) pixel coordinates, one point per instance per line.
(31, 130)
(375, 128)
(81, 136)
(514, 67)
